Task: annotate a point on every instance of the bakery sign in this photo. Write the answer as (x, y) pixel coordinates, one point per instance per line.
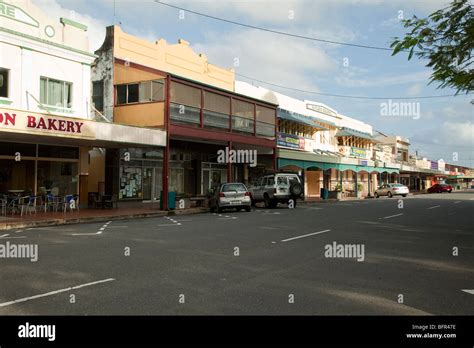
(41, 124)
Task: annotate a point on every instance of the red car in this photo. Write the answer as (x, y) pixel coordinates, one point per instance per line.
(440, 188)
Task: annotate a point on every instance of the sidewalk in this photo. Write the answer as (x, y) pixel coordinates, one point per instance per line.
(85, 215)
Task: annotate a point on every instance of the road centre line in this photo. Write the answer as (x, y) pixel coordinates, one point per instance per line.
(303, 236)
(392, 216)
(433, 207)
(469, 291)
(55, 292)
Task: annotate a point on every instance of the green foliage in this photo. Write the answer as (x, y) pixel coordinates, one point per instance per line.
(446, 40)
(338, 188)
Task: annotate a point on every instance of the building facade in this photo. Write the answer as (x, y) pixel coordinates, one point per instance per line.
(47, 133)
(170, 87)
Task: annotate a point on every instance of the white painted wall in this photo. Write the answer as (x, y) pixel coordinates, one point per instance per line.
(28, 58)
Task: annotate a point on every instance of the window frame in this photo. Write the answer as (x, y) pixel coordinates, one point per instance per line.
(139, 84)
(7, 84)
(63, 82)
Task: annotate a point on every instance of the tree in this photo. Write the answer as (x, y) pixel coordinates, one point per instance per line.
(446, 40)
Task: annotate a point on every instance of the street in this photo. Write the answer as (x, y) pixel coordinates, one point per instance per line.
(418, 258)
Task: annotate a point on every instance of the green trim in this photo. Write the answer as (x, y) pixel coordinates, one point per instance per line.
(26, 48)
(56, 109)
(5, 101)
(36, 25)
(282, 162)
(13, 32)
(73, 23)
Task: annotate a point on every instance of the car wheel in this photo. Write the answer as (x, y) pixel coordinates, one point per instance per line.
(266, 201)
(296, 189)
(389, 194)
(219, 209)
(449, 191)
(247, 209)
(404, 195)
(273, 204)
(213, 209)
(252, 202)
(376, 195)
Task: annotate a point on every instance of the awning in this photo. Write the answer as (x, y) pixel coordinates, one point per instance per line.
(317, 119)
(298, 118)
(348, 132)
(306, 164)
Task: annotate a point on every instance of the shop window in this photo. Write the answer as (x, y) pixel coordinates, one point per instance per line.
(4, 83)
(127, 94)
(242, 116)
(49, 151)
(55, 93)
(98, 95)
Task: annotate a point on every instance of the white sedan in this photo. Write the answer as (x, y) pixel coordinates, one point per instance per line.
(391, 190)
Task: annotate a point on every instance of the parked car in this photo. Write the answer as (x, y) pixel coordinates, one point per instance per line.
(391, 190)
(230, 195)
(440, 188)
(277, 188)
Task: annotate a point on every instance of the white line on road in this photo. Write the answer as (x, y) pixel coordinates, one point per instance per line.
(5, 235)
(305, 235)
(169, 225)
(55, 292)
(19, 237)
(391, 216)
(433, 207)
(457, 202)
(468, 291)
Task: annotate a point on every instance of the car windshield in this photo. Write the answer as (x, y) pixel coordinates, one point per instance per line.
(233, 187)
(397, 185)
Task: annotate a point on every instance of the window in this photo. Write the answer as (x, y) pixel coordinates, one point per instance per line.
(140, 92)
(185, 104)
(4, 83)
(266, 119)
(98, 95)
(150, 91)
(55, 92)
(216, 110)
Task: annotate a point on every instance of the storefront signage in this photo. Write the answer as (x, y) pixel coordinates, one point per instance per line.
(434, 165)
(291, 141)
(32, 123)
(16, 13)
(358, 152)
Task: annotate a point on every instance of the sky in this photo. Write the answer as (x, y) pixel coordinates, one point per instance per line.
(443, 128)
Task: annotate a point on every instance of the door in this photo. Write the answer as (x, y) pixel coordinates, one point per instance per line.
(147, 183)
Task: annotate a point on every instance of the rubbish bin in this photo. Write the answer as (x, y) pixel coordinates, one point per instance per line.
(324, 193)
(171, 200)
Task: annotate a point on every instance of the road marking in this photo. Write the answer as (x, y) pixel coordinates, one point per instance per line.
(468, 291)
(86, 234)
(55, 292)
(5, 235)
(433, 207)
(305, 235)
(169, 225)
(369, 222)
(391, 216)
(457, 202)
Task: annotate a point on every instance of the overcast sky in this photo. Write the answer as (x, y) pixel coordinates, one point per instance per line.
(444, 126)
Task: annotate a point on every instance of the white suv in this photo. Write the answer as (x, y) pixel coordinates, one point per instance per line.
(276, 188)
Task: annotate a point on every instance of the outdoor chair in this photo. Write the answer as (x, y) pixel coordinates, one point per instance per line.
(110, 201)
(3, 204)
(50, 203)
(70, 202)
(24, 204)
(13, 204)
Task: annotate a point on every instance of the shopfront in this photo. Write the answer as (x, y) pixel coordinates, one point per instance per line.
(47, 154)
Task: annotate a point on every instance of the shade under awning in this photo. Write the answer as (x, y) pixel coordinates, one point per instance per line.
(349, 132)
(298, 118)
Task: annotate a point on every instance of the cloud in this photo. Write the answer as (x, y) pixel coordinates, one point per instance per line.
(347, 78)
(415, 90)
(284, 61)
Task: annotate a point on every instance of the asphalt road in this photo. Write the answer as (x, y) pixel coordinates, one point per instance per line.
(281, 257)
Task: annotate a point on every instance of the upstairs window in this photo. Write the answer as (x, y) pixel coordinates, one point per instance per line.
(55, 93)
(4, 83)
(143, 92)
(98, 95)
